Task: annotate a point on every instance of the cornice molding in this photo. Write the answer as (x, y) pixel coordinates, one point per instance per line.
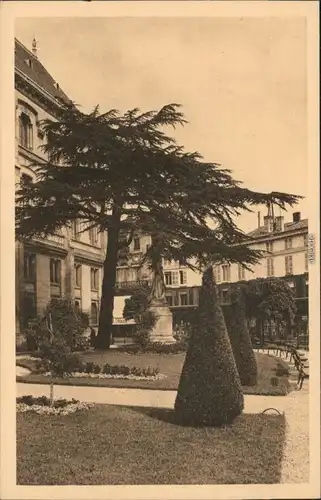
(46, 248)
(30, 155)
(276, 236)
(36, 93)
(85, 258)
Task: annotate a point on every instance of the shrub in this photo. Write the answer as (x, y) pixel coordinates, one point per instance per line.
(27, 400)
(36, 331)
(152, 371)
(125, 370)
(153, 348)
(57, 358)
(44, 401)
(141, 336)
(56, 333)
(209, 391)
(241, 341)
(66, 322)
(106, 369)
(97, 369)
(81, 367)
(182, 334)
(82, 344)
(92, 367)
(269, 299)
(137, 308)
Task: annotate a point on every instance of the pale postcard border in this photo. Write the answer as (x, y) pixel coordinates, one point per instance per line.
(8, 12)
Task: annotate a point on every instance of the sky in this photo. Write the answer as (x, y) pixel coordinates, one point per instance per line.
(241, 83)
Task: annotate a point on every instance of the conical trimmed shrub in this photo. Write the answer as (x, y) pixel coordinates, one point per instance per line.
(241, 341)
(209, 391)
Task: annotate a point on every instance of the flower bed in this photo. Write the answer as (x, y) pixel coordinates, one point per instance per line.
(42, 406)
(93, 370)
(154, 348)
(158, 376)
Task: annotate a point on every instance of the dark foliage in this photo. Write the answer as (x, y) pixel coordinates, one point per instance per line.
(123, 174)
(153, 348)
(241, 341)
(182, 334)
(209, 391)
(67, 324)
(56, 357)
(137, 308)
(107, 369)
(269, 299)
(44, 401)
(57, 333)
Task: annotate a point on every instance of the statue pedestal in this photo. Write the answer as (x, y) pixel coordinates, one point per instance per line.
(163, 329)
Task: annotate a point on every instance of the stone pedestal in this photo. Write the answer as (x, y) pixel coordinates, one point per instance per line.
(163, 329)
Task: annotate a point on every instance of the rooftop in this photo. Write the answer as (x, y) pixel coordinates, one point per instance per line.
(29, 65)
(288, 226)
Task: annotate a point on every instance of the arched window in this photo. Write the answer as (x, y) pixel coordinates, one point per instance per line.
(25, 131)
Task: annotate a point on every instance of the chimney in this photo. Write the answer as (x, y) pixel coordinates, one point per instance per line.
(34, 47)
(279, 223)
(296, 216)
(259, 220)
(268, 223)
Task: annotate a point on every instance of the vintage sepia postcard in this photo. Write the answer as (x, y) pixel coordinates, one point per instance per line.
(160, 292)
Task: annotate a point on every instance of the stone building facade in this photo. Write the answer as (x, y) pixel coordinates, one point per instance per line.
(69, 263)
(285, 247)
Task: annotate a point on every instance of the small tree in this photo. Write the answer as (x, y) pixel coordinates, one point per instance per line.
(66, 320)
(209, 391)
(56, 333)
(241, 341)
(269, 299)
(136, 307)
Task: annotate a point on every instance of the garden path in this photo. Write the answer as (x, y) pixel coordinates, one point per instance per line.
(295, 406)
(295, 465)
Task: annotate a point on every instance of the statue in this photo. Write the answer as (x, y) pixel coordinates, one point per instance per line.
(163, 329)
(157, 296)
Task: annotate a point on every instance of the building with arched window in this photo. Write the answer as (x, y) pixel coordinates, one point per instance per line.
(69, 263)
(25, 131)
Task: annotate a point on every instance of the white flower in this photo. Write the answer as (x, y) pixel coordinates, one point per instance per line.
(49, 410)
(159, 376)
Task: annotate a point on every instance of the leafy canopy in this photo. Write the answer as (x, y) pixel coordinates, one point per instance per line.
(270, 298)
(111, 169)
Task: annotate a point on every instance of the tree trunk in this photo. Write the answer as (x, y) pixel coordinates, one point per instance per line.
(108, 286)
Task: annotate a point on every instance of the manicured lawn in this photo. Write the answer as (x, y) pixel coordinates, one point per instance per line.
(121, 445)
(171, 366)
